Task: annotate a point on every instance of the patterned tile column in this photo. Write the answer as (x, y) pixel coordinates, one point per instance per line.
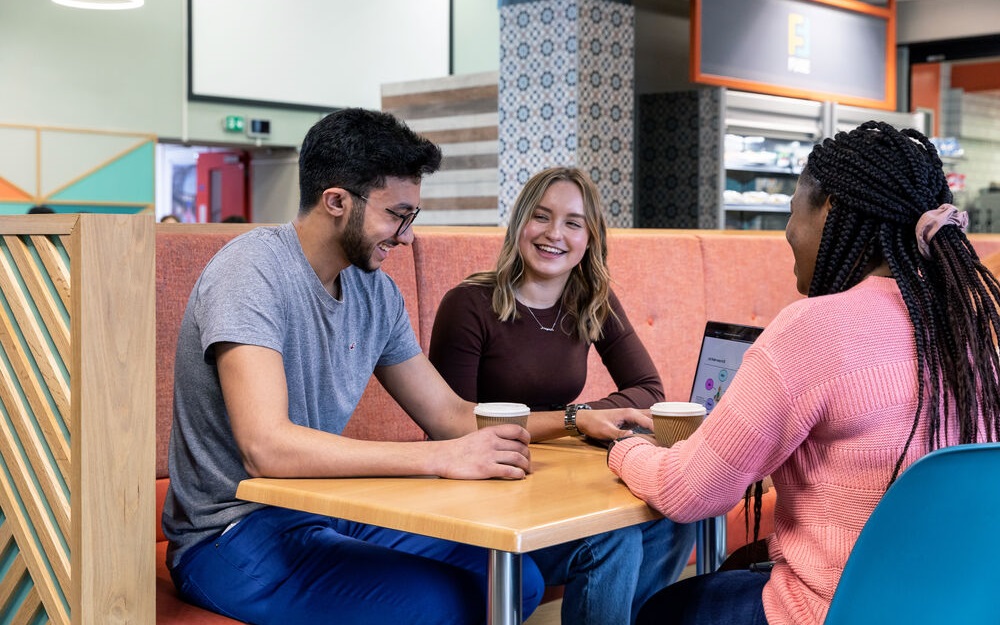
(566, 96)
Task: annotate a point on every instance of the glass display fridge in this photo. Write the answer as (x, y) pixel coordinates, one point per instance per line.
(766, 142)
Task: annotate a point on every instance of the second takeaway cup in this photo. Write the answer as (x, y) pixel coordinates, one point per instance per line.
(675, 420)
(498, 413)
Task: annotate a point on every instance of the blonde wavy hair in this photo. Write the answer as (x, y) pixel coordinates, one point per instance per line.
(585, 297)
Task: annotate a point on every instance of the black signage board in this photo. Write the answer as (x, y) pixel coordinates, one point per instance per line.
(837, 50)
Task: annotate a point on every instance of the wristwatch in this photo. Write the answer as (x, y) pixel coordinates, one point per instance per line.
(611, 445)
(569, 420)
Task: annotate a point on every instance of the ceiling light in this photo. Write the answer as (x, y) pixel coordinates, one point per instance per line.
(107, 5)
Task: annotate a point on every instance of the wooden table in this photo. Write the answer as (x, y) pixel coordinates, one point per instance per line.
(569, 495)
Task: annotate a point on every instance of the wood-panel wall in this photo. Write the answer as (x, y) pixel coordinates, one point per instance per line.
(77, 368)
(459, 113)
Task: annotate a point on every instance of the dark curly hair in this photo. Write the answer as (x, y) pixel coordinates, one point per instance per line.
(357, 149)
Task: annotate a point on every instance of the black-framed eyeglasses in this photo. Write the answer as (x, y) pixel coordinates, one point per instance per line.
(405, 219)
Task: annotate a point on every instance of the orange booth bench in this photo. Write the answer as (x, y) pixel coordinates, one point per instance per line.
(669, 281)
(92, 306)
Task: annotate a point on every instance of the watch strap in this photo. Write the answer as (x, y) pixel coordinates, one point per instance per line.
(569, 418)
(611, 444)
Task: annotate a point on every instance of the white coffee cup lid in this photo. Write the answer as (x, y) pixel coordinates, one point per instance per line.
(502, 409)
(678, 409)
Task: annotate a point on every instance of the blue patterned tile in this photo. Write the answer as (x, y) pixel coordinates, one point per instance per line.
(578, 76)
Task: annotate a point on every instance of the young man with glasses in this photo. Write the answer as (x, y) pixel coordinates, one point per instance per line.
(276, 348)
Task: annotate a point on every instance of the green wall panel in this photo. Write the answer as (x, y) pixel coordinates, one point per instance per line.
(126, 180)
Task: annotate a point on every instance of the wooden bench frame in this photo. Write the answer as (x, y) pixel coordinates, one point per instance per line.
(78, 395)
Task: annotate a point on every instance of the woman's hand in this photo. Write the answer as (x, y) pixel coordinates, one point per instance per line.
(612, 423)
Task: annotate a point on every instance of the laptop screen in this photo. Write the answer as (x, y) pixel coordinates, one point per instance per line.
(722, 349)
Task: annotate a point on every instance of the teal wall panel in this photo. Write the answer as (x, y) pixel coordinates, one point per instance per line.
(14, 208)
(125, 180)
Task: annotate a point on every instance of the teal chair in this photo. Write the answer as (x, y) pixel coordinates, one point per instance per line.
(930, 552)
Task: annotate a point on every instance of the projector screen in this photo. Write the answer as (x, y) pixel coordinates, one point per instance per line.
(313, 54)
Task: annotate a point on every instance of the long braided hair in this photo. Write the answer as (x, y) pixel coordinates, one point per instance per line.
(880, 181)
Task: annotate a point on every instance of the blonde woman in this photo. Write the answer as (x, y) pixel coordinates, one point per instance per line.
(522, 333)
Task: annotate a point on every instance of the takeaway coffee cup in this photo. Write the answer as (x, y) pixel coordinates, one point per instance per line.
(675, 420)
(498, 413)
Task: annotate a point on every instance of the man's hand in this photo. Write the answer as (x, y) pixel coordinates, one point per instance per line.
(500, 451)
(612, 423)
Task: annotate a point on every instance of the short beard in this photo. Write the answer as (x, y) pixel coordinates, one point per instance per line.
(357, 250)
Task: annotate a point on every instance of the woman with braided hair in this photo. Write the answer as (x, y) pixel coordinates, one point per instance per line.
(893, 354)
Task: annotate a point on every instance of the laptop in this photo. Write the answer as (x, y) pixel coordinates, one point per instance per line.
(722, 349)
(721, 354)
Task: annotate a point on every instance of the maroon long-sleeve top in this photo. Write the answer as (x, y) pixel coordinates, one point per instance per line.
(486, 360)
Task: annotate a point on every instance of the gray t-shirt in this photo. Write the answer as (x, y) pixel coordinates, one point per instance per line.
(260, 290)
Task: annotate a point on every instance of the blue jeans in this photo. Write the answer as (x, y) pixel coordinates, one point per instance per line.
(287, 567)
(720, 598)
(608, 576)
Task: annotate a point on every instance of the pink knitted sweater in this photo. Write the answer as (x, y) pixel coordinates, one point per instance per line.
(823, 402)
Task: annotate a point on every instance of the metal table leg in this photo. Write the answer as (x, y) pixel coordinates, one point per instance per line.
(710, 545)
(504, 601)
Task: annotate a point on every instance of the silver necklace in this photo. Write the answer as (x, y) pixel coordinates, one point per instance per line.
(554, 323)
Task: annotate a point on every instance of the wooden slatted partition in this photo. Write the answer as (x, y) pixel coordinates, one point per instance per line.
(77, 368)
(459, 113)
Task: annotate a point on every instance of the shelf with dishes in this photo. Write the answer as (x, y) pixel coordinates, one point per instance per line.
(758, 208)
(763, 169)
(765, 154)
(756, 201)
(767, 141)
(756, 217)
(761, 173)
